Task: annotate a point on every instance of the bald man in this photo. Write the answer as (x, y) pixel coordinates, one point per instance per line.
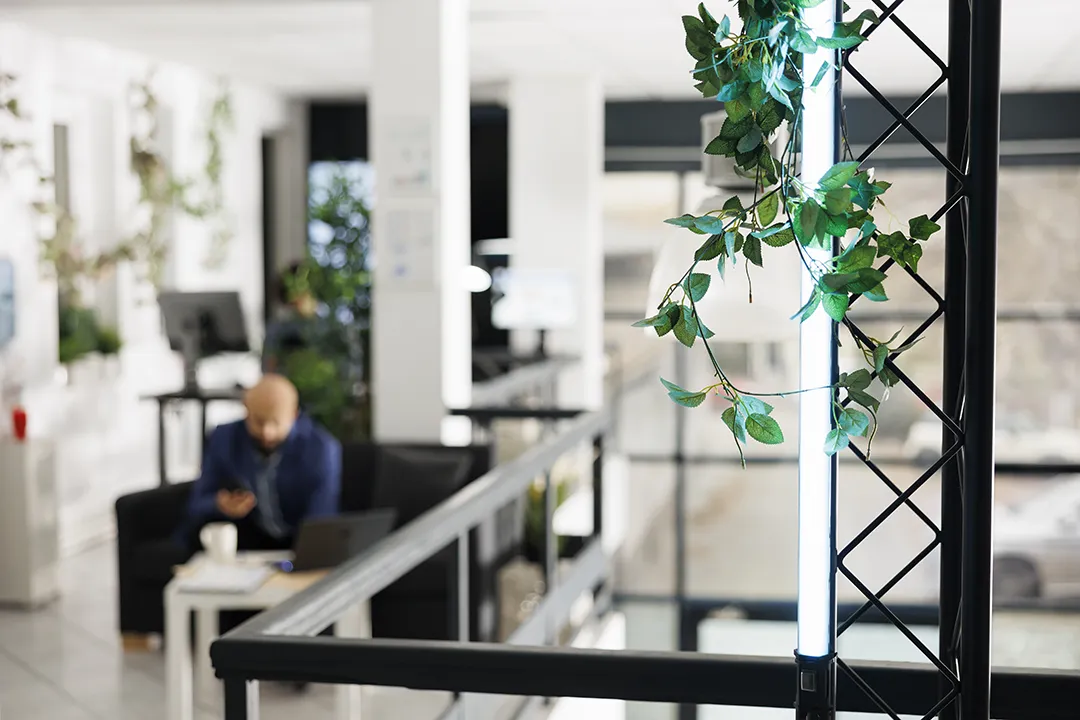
(266, 473)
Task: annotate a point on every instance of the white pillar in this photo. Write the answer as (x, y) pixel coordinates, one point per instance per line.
(556, 213)
(422, 330)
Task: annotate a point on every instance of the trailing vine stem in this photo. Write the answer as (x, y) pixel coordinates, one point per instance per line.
(756, 71)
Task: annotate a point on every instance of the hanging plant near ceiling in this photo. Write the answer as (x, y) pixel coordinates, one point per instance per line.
(161, 192)
(756, 70)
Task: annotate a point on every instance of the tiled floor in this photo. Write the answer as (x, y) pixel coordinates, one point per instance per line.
(64, 662)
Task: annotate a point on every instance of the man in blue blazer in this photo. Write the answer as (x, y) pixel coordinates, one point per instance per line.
(267, 473)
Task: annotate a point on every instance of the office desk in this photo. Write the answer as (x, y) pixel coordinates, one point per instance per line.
(203, 396)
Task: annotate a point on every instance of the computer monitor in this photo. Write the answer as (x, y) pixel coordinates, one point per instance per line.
(202, 324)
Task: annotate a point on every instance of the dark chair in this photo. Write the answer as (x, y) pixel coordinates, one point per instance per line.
(146, 554)
(409, 478)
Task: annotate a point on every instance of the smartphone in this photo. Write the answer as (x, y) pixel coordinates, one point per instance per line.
(233, 484)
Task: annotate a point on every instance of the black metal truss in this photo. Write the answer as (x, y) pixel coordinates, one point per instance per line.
(954, 686)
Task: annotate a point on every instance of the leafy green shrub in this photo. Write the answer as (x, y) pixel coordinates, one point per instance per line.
(108, 340)
(79, 331)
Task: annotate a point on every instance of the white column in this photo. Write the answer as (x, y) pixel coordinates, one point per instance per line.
(556, 213)
(422, 330)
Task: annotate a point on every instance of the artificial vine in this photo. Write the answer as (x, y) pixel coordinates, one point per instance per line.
(161, 192)
(757, 73)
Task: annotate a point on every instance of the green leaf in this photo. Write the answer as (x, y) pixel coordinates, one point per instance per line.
(808, 3)
(710, 224)
(922, 227)
(685, 221)
(768, 208)
(808, 309)
(866, 281)
(731, 91)
(754, 70)
(683, 397)
(836, 441)
(836, 305)
(855, 258)
(881, 354)
(840, 43)
(733, 204)
(864, 398)
(770, 117)
(838, 175)
(750, 140)
(755, 405)
(889, 378)
(866, 192)
(733, 129)
(704, 331)
(706, 17)
(806, 222)
(802, 42)
(764, 429)
(752, 250)
(686, 329)
(858, 380)
(780, 238)
(774, 32)
(697, 285)
(712, 248)
(876, 294)
(853, 422)
(838, 201)
(737, 108)
(697, 37)
(729, 244)
(821, 73)
(664, 321)
(724, 29)
(734, 423)
(838, 281)
(721, 146)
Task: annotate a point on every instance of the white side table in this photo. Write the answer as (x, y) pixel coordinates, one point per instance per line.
(186, 674)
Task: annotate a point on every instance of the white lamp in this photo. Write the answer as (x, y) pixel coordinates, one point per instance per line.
(817, 368)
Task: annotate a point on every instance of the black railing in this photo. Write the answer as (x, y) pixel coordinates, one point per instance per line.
(280, 643)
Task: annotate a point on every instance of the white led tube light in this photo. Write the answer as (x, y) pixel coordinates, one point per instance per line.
(817, 352)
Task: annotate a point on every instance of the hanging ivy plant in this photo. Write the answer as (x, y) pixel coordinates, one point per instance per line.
(161, 192)
(757, 72)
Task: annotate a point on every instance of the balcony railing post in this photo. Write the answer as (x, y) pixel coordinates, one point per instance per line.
(551, 545)
(955, 338)
(241, 699)
(598, 486)
(461, 584)
(979, 381)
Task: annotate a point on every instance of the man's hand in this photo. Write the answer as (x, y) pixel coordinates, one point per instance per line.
(235, 504)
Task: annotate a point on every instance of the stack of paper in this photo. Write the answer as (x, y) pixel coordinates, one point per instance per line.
(239, 579)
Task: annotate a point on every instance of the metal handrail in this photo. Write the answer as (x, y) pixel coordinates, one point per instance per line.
(317, 607)
(517, 382)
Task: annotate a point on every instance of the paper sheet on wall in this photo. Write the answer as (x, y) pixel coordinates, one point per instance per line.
(409, 257)
(408, 162)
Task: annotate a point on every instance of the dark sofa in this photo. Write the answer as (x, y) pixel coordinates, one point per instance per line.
(409, 478)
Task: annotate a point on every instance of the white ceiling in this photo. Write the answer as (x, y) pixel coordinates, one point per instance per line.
(322, 48)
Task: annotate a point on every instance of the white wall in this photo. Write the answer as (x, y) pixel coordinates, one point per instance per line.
(110, 450)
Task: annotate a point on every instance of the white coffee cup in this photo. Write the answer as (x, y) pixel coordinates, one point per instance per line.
(219, 539)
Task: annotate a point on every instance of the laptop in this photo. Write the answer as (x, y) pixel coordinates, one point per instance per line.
(327, 542)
